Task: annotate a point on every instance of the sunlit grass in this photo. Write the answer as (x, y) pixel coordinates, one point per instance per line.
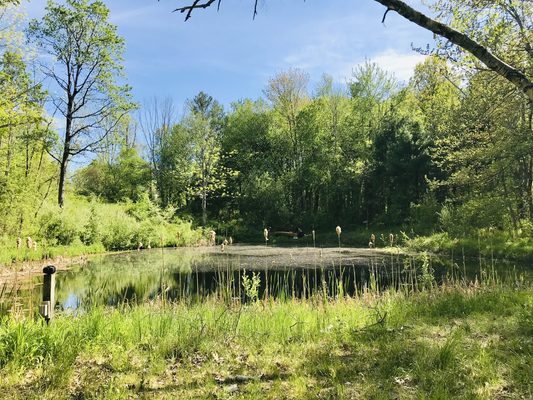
(450, 342)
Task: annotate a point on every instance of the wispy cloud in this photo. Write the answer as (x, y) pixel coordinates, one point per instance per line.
(231, 56)
(402, 65)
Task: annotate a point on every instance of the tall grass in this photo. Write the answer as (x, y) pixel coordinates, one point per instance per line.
(404, 344)
(88, 227)
(320, 332)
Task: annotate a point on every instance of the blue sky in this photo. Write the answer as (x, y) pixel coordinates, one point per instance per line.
(231, 57)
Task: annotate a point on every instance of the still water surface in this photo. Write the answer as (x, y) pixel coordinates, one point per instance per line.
(194, 274)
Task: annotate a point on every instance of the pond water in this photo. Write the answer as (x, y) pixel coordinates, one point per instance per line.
(195, 274)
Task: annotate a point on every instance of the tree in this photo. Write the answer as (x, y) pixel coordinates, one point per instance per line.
(25, 138)
(87, 55)
(205, 123)
(287, 91)
(126, 177)
(156, 119)
(247, 151)
(513, 73)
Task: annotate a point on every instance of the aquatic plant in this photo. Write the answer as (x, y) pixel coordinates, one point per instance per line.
(251, 285)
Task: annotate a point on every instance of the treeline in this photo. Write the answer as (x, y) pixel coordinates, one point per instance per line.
(451, 150)
(440, 152)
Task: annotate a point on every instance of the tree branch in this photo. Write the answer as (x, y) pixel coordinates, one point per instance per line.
(513, 75)
(196, 4)
(497, 65)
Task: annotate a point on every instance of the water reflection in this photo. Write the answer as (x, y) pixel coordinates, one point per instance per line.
(196, 274)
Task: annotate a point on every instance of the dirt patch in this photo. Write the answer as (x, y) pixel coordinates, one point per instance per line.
(28, 269)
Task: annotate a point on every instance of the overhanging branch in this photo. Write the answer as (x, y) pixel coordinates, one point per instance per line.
(495, 64)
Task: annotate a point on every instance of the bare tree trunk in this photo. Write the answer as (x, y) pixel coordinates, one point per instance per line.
(62, 173)
(64, 159)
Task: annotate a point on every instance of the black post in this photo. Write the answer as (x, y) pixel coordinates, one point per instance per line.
(47, 306)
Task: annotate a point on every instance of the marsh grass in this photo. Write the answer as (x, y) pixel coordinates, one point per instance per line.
(491, 245)
(450, 342)
(395, 332)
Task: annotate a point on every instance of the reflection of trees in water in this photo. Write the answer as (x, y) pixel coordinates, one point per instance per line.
(21, 296)
(122, 278)
(193, 275)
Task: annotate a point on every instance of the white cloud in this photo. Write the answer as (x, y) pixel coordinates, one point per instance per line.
(402, 65)
(322, 58)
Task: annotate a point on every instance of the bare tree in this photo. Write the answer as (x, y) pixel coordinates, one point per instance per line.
(156, 119)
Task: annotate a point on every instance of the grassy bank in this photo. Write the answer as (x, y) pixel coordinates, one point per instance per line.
(448, 343)
(485, 244)
(87, 226)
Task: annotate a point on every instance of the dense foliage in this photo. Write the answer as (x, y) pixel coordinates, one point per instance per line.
(449, 151)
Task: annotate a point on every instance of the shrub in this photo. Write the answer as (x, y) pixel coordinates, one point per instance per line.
(91, 230)
(119, 231)
(58, 229)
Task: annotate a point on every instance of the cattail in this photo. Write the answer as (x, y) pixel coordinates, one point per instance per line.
(230, 240)
(338, 230)
(19, 243)
(372, 242)
(265, 234)
(29, 243)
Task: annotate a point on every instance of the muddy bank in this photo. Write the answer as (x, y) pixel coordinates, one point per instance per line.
(28, 269)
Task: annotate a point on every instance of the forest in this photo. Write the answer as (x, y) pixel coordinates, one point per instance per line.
(370, 238)
(447, 153)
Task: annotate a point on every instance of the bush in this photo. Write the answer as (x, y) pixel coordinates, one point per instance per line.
(120, 231)
(58, 229)
(91, 230)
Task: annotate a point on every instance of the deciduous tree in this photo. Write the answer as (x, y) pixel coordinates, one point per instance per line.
(86, 54)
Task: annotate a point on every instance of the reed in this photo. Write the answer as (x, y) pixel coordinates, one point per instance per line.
(275, 348)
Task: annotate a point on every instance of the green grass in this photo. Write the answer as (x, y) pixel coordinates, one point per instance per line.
(451, 342)
(10, 255)
(490, 245)
(89, 227)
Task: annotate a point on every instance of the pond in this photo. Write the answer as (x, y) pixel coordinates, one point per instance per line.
(242, 273)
